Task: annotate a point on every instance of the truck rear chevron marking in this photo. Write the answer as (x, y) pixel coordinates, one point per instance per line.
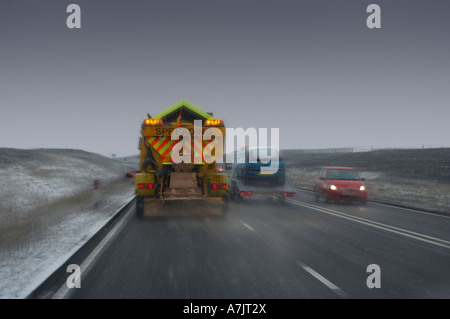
(165, 144)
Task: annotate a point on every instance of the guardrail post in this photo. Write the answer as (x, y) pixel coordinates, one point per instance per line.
(96, 193)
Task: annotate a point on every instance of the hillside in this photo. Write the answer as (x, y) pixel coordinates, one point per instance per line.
(31, 178)
(49, 209)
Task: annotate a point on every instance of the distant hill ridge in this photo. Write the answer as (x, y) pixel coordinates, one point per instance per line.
(31, 177)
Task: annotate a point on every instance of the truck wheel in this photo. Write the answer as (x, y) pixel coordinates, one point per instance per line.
(139, 206)
(232, 191)
(225, 206)
(239, 197)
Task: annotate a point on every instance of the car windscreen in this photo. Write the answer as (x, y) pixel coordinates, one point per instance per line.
(342, 174)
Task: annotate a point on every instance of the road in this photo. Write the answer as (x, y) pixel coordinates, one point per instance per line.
(263, 249)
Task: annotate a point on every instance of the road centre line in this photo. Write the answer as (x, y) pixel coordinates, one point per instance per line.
(410, 209)
(248, 227)
(378, 223)
(399, 231)
(392, 206)
(324, 280)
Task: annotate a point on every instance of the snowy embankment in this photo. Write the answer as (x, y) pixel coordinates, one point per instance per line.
(30, 178)
(49, 209)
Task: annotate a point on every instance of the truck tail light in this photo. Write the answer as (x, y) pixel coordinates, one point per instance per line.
(218, 186)
(146, 186)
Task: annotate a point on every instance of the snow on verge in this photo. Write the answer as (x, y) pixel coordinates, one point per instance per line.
(31, 178)
(59, 213)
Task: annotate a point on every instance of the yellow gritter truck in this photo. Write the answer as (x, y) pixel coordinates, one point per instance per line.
(178, 172)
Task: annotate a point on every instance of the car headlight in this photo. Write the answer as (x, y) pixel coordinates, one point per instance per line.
(333, 187)
(362, 188)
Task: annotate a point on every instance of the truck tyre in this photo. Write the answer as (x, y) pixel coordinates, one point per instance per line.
(282, 200)
(139, 206)
(225, 206)
(232, 191)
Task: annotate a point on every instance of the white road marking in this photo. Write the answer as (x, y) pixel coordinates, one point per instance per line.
(392, 206)
(410, 209)
(249, 227)
(396, 230)
(64, 290)
(324, 280)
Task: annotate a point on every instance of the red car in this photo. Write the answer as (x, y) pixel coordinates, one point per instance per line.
(340, 183)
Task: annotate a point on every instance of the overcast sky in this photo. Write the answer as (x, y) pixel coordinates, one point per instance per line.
(311, 68)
